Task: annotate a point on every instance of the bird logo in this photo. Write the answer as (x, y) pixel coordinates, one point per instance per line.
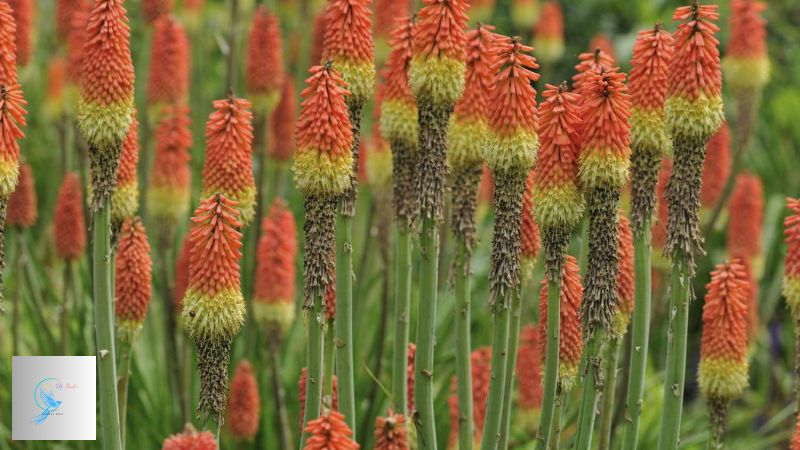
(44, 398)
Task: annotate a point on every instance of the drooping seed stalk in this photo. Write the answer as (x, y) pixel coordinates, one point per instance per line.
(125, 357)
(508, 388)
(547, 434)
(104, 326)
(592, 390)
(640, 335)
(610, 384)
(426, 333)
(402, 313)
(463, 339)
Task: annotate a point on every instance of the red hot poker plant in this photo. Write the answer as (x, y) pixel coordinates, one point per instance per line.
(22, 204)
(282, 124)
(69, 226)
(265, 72)
(329, 432)
(22, 11)
(717, 168)
(125, 199)
(134, 270)
(391, 432)
(746, 62)
(170, 179)
(548, 35)
(168, 80)
(191, 439)
(244, 405)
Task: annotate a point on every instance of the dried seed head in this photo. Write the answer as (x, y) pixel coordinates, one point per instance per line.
(717, 167)
(399, 109)
(244, 403)
(329, 432)
(722, 374)
(191, 439)
(168, 80)
(348, 43)
(746, 62)
(22, 204)
(170, 182)
(548, 35)
(69, 226)
(391, 432)
(133, 286)
(791, 268)
(282, 124)
(746, 218)
(125, 199)
(265, 72)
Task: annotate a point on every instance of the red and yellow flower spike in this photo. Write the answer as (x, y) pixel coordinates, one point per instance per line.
(265, 72)
(625, 281)
(694, 95)
(69, 226)
(282, 124)
(529, 376)
(348, 43)
(391, 432)
(558, 199)
(8, 47)
(722, 374)
(54, 99)
(571, 335)
(274, 292)
(107, 80)
(228, 168)
(191, 439)
(244, 403)
(512, 140)
(168, 195)
(133, 286)
(22, 10)
(592, 61)
(329, 432)
(12, 119)
(125, 199)
(22, 204)
(468, 123)
(746, 62)
(152, 10)
(791, 267)
(531, 242)
(746, 218)
(399, 108)
(168, 80)
(438, 61)
(717, 167)
(324, 161)
(548, 35)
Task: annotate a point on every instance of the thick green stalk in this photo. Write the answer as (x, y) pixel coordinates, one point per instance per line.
(426, 332)
(125, 356)
(511, 365)
(610, 384)
(279, 395)
(316, 325)
(640, 335)
(546, 435)
(592, 389)
(402, 313)
(344, 319)
(558, 412)
(492, 433)
(669, 433)
(463, 366)
(104, 327)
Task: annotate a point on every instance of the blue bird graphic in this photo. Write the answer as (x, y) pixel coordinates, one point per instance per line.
(50, 403)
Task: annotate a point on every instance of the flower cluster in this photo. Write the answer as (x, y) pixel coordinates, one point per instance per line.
(746, 62)
(625, 283)
(244, 404)
(348, 43)
(22, 204)
(168, 80)
(529, 232)
(548, 35)
(791, 271)
(717, 167)
(23, 11)
(329, 432)
(170, 180)
(399, 109)
(125, 199)
(264, 74)
(391, 432)
(133, 286)
(191, 439)
(69, 226)
(529, 369)
(282, 124)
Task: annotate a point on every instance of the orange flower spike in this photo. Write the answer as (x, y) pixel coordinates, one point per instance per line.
(76, 39)
(722, 374)
(513, 140)
(791, 268)
(348, 43)
(168, 80)
(282, 124)
(265, 72)
(468, 123)
(12, 119)
(107, 79)
(746, 218)
(274, 292)
(531, 241)
(125, 199)
(152, 10)
(68, 223)
(746, 62)
(181, 275)
(170, 180)
(329, 432)
(64, 13)
(625, 283)
(379, 163)
(228, 168)
(660, 224)
(412, 353)
(694, 94)
(590, 62)
(22, 11)
(481, 367)
(398, 120)
(323, 162)
(318, 38)
(244, 403)
(301, 394)
(529, 370)
(548, 35)
(571, 337)
(8, 46)
(133, 286)
(387, 14)
(436, 73)
(22, 204)
(604, 43)
(190, 439)
(558, 199)
(54, 100)
(717, 167)
(391, 432)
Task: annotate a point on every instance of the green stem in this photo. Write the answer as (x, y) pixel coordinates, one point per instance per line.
(180, 390)
(279, 395)
(426, 334)
(511, 365)
(558, 412)
(344, 319)
(545, 435)
(640, 335)
(125, 356)
(104, 327)
(65, 308)
(492, 433)
(316, 324)
(463, 346)
(681, 288)
(592, 389)
(610, 384)
(402, 312)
